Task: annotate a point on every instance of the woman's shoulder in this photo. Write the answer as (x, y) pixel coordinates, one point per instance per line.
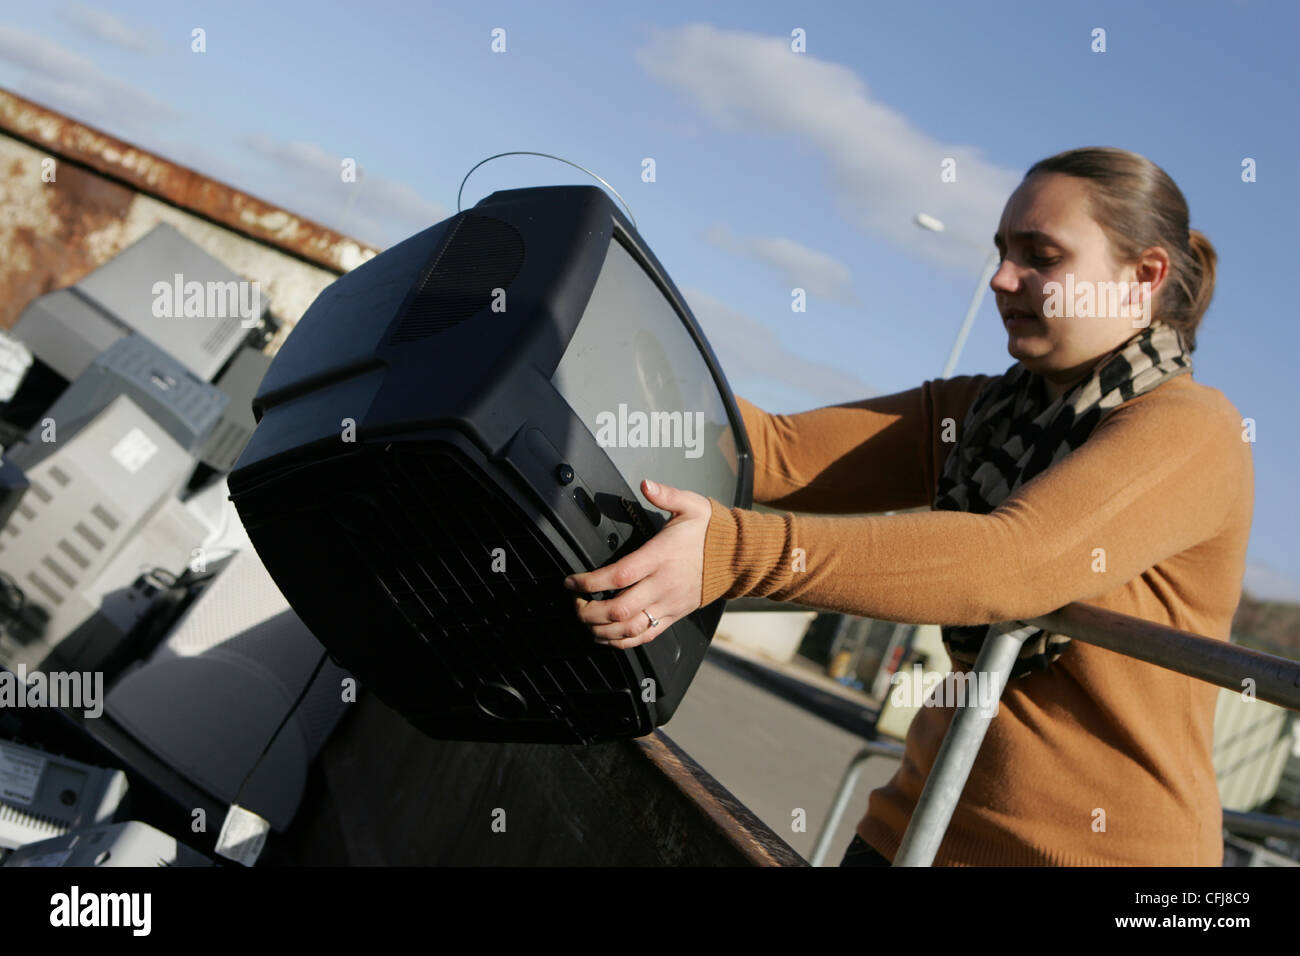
(1183, 412)
(1189, 400)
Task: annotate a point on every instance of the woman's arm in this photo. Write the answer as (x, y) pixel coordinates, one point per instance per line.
(877, 454)
(1158, 475)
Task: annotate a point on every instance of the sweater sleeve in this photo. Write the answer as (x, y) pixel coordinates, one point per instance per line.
(876, 454)
(1156, 477)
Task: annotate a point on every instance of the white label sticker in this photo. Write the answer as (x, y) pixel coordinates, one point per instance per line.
(243, 834)
(134, 450)
(19, 775)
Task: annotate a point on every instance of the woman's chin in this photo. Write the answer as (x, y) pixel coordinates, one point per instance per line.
(1027, 349)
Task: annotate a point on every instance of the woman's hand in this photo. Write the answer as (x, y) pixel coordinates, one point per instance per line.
(663, 576)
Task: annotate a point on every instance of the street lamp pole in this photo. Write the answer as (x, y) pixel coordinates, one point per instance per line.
(990, 266)
(986, 273)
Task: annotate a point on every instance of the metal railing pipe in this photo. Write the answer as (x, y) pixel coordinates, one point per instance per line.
(1261, 824)
(1276, 679)
(961, 744)
(875, 748)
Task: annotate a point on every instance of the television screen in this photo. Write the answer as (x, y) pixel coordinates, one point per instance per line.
(640, 383)
(461, 422)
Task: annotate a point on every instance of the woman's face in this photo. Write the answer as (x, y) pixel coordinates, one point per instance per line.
(1047, 236)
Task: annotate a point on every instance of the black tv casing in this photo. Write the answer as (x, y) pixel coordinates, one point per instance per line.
(462, 444)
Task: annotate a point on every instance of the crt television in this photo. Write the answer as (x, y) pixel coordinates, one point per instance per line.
(461, 422)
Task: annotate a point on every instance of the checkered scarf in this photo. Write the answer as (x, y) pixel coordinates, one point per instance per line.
(1013, 431)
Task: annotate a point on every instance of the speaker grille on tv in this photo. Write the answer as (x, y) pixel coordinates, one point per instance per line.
(425, 524)
(482, 254)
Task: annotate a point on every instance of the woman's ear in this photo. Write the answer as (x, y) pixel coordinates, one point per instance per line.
(1152, 267)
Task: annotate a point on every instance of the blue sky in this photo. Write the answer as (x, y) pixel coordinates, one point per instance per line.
(773, 169)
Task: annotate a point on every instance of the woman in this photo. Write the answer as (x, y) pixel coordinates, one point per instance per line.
(1095, 469)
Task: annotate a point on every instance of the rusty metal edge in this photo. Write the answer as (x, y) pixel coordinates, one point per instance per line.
(754, 839)
(180, 186)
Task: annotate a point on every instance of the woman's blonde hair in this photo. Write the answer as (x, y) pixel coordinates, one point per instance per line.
(1138, 206)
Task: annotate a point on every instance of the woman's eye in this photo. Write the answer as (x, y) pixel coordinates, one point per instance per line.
(1045, 260)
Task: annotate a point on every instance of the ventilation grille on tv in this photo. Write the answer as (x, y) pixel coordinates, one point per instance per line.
(219, 338)
(35, 825)
(482, 254)
(427, 526)
(64, 564)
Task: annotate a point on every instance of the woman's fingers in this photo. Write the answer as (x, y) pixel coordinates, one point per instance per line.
(622, 615)
(624, 636)
(646, 559)
(638, 628)
(661, 577)
(627, 643)
(627, 571)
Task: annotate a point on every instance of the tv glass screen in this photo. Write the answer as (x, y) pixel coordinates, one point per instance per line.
(636, 377)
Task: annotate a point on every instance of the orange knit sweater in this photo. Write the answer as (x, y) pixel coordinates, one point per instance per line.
(1101, 760)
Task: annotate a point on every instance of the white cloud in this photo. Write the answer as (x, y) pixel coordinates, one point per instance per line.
(373, 209)
(71, 83)
(819, 274)
(749, 350)
(109, 28)
(295, 153)
(299, 176)
(1265, 584)
(880, 168)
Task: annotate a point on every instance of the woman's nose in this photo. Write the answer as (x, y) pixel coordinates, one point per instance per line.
(1004, 278)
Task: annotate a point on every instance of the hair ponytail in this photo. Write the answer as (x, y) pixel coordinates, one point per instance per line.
(1203, 251)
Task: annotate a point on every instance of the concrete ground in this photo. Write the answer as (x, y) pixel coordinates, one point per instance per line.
(773, 754)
